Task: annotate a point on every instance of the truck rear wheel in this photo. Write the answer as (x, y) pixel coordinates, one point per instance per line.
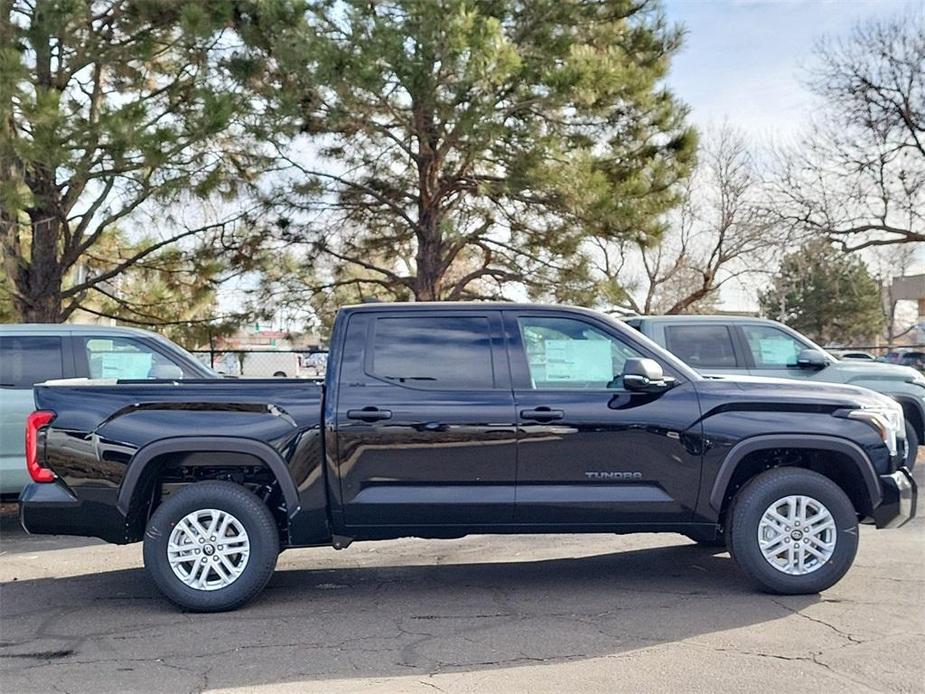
(793, 531)
(211, 547)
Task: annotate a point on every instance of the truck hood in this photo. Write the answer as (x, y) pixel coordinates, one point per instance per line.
(757, 389)
(873, 371)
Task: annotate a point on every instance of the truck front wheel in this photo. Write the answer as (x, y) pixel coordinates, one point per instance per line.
(912, 445)
(211, 547)
(793, 531)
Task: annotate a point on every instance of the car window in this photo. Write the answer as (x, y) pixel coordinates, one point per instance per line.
(701, 345)
(433, 352)
(127, 358)
(27, 360)
(771, 346)
(569, 353)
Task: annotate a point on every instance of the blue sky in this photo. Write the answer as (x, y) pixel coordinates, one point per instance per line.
(742, 59)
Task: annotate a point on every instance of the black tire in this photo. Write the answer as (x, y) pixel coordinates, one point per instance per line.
(262, 535)
(912, 445)
(279, 374)
(749, 507)
(706, 537)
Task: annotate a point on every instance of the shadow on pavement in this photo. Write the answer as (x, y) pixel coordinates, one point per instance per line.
(374, 621)
(15, 540)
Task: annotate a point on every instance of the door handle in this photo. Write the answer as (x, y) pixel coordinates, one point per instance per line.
(369, 414)
(542, 414)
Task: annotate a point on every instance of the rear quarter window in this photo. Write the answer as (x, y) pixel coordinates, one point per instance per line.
(29, 359)
(433, 352)
(701, 345)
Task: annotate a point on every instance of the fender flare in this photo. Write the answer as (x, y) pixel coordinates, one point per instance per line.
(907, 400)
(810, 441)
(207, 444)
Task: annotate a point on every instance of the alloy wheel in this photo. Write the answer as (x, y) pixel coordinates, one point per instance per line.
(208, 549)
(797, 535)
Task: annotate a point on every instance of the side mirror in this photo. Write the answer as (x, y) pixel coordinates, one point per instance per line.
(811, 359)
(645, 376)
(167, 372)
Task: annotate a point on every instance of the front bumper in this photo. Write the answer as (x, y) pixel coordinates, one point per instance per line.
(900, 497)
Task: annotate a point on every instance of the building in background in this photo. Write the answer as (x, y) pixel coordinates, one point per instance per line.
(912, 288)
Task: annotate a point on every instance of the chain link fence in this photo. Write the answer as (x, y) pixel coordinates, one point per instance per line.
(266, 363)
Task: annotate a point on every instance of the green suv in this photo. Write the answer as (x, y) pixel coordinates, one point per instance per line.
(31, 354)
(720, 345)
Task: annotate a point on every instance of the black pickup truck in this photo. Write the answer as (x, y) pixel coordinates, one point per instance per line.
(440, 420)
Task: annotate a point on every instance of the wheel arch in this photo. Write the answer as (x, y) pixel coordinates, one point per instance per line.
(865, 491)
(914, 411)
(144, 465)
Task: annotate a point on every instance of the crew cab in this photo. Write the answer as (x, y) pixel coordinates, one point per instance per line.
(440, 420)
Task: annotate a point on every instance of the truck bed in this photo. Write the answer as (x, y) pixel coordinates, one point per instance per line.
(108, 438)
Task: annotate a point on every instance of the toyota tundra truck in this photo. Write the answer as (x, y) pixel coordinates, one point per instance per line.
(441, 420)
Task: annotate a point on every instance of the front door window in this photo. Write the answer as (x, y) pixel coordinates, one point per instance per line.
(771, 347)
(125, 358)
(564, 353)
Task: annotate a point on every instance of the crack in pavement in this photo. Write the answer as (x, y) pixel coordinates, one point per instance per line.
(840, 632)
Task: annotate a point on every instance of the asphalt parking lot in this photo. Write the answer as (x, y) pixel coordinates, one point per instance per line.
(598, 613)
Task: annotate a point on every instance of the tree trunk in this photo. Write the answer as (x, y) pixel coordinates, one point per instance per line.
(429, 274)
(39, 308)
(38, 285)
(431, 266)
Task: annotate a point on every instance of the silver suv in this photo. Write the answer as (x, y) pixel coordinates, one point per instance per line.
(31, 354)
(718, 345)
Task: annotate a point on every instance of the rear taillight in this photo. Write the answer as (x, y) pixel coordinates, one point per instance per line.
(35, 422)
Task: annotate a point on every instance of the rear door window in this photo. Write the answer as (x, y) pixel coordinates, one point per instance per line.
(30, 359)
(701, 345)
(436, 352)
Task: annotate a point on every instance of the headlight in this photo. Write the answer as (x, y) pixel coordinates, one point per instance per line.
(887, 421)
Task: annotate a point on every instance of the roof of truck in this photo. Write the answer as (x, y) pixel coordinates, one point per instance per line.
(465, 306)
(77, 328)
(677, 318)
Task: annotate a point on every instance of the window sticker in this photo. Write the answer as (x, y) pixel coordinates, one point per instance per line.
(578, 360)
(125, 365)
(776, 350)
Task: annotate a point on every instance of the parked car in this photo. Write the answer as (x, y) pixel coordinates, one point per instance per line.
(32, 354)
(859, 356)
(891, 357)
(734, 345)
(905, 357)
(438, 420)
(914, 359)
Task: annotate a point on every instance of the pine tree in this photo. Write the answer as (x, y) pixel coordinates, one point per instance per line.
(460, 146)
(105, 106)
(825, 293)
